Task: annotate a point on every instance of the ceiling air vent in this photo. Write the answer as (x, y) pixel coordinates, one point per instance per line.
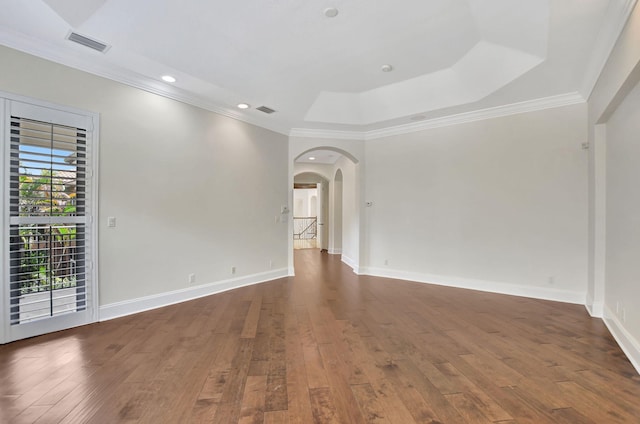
(87, 42)
(265, 109)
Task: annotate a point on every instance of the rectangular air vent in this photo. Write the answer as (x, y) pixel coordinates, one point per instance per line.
(87, 42)
(265, 109)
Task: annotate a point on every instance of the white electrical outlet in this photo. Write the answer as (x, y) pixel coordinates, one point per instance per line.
(233, 269)
(270, 264)
(386, 261)
(111, 221)
(192, 278)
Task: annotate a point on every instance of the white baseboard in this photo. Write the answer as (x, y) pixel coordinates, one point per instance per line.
(595, 309)
(544, 293)
(347, 260)
(335, 251)
(141, 304)
(629, 345)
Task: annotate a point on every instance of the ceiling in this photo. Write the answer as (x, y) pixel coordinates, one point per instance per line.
(323, 75)
(320, 156)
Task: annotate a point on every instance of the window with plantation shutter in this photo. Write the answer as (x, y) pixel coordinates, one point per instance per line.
(49, 281)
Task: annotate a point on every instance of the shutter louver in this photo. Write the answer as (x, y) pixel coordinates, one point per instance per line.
(48, 231)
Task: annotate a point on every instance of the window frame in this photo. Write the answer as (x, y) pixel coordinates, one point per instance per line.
(25, 107)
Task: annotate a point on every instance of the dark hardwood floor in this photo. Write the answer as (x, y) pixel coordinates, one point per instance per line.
(328, 347)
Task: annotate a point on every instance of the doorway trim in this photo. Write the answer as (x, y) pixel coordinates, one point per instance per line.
(54, 115)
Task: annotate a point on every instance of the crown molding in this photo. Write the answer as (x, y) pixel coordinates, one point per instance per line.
(332, 134)
(50, 52)
(47, 51)
(461, 118)
(481, 115)
(606, 42)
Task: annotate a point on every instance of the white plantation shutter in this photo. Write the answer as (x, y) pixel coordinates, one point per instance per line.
(50, 236)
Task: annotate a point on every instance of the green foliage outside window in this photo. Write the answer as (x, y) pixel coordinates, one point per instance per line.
(47, 252)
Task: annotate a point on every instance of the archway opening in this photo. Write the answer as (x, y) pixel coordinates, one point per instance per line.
(338, 202)
(309, 205)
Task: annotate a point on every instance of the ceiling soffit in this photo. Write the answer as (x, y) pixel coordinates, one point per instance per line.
(453, 60)
(511, 40)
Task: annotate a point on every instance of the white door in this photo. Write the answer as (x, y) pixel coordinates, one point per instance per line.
(49, 236)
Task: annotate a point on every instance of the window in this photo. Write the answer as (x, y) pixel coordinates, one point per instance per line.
(49, 280)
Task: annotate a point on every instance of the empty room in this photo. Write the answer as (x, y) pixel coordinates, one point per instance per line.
(320, 211)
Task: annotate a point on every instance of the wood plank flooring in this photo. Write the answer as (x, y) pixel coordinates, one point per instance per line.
(327, 347)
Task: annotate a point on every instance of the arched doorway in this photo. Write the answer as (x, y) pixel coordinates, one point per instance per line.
(342, 173)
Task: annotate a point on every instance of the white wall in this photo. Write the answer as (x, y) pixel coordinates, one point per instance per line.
(312, 172)
(622, 291)
(335, 214)
(613, 178)
(350, 212)
(323, 215)
(498, 205)
(616, 79)
(302, 199)
(192, 191)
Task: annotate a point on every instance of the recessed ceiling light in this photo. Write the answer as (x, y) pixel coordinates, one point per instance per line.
(243, 106)
(386, 68)
(331, 12)
(168, 78)
(312, 158)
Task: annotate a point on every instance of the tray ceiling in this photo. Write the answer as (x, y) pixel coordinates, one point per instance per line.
(447, 57)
